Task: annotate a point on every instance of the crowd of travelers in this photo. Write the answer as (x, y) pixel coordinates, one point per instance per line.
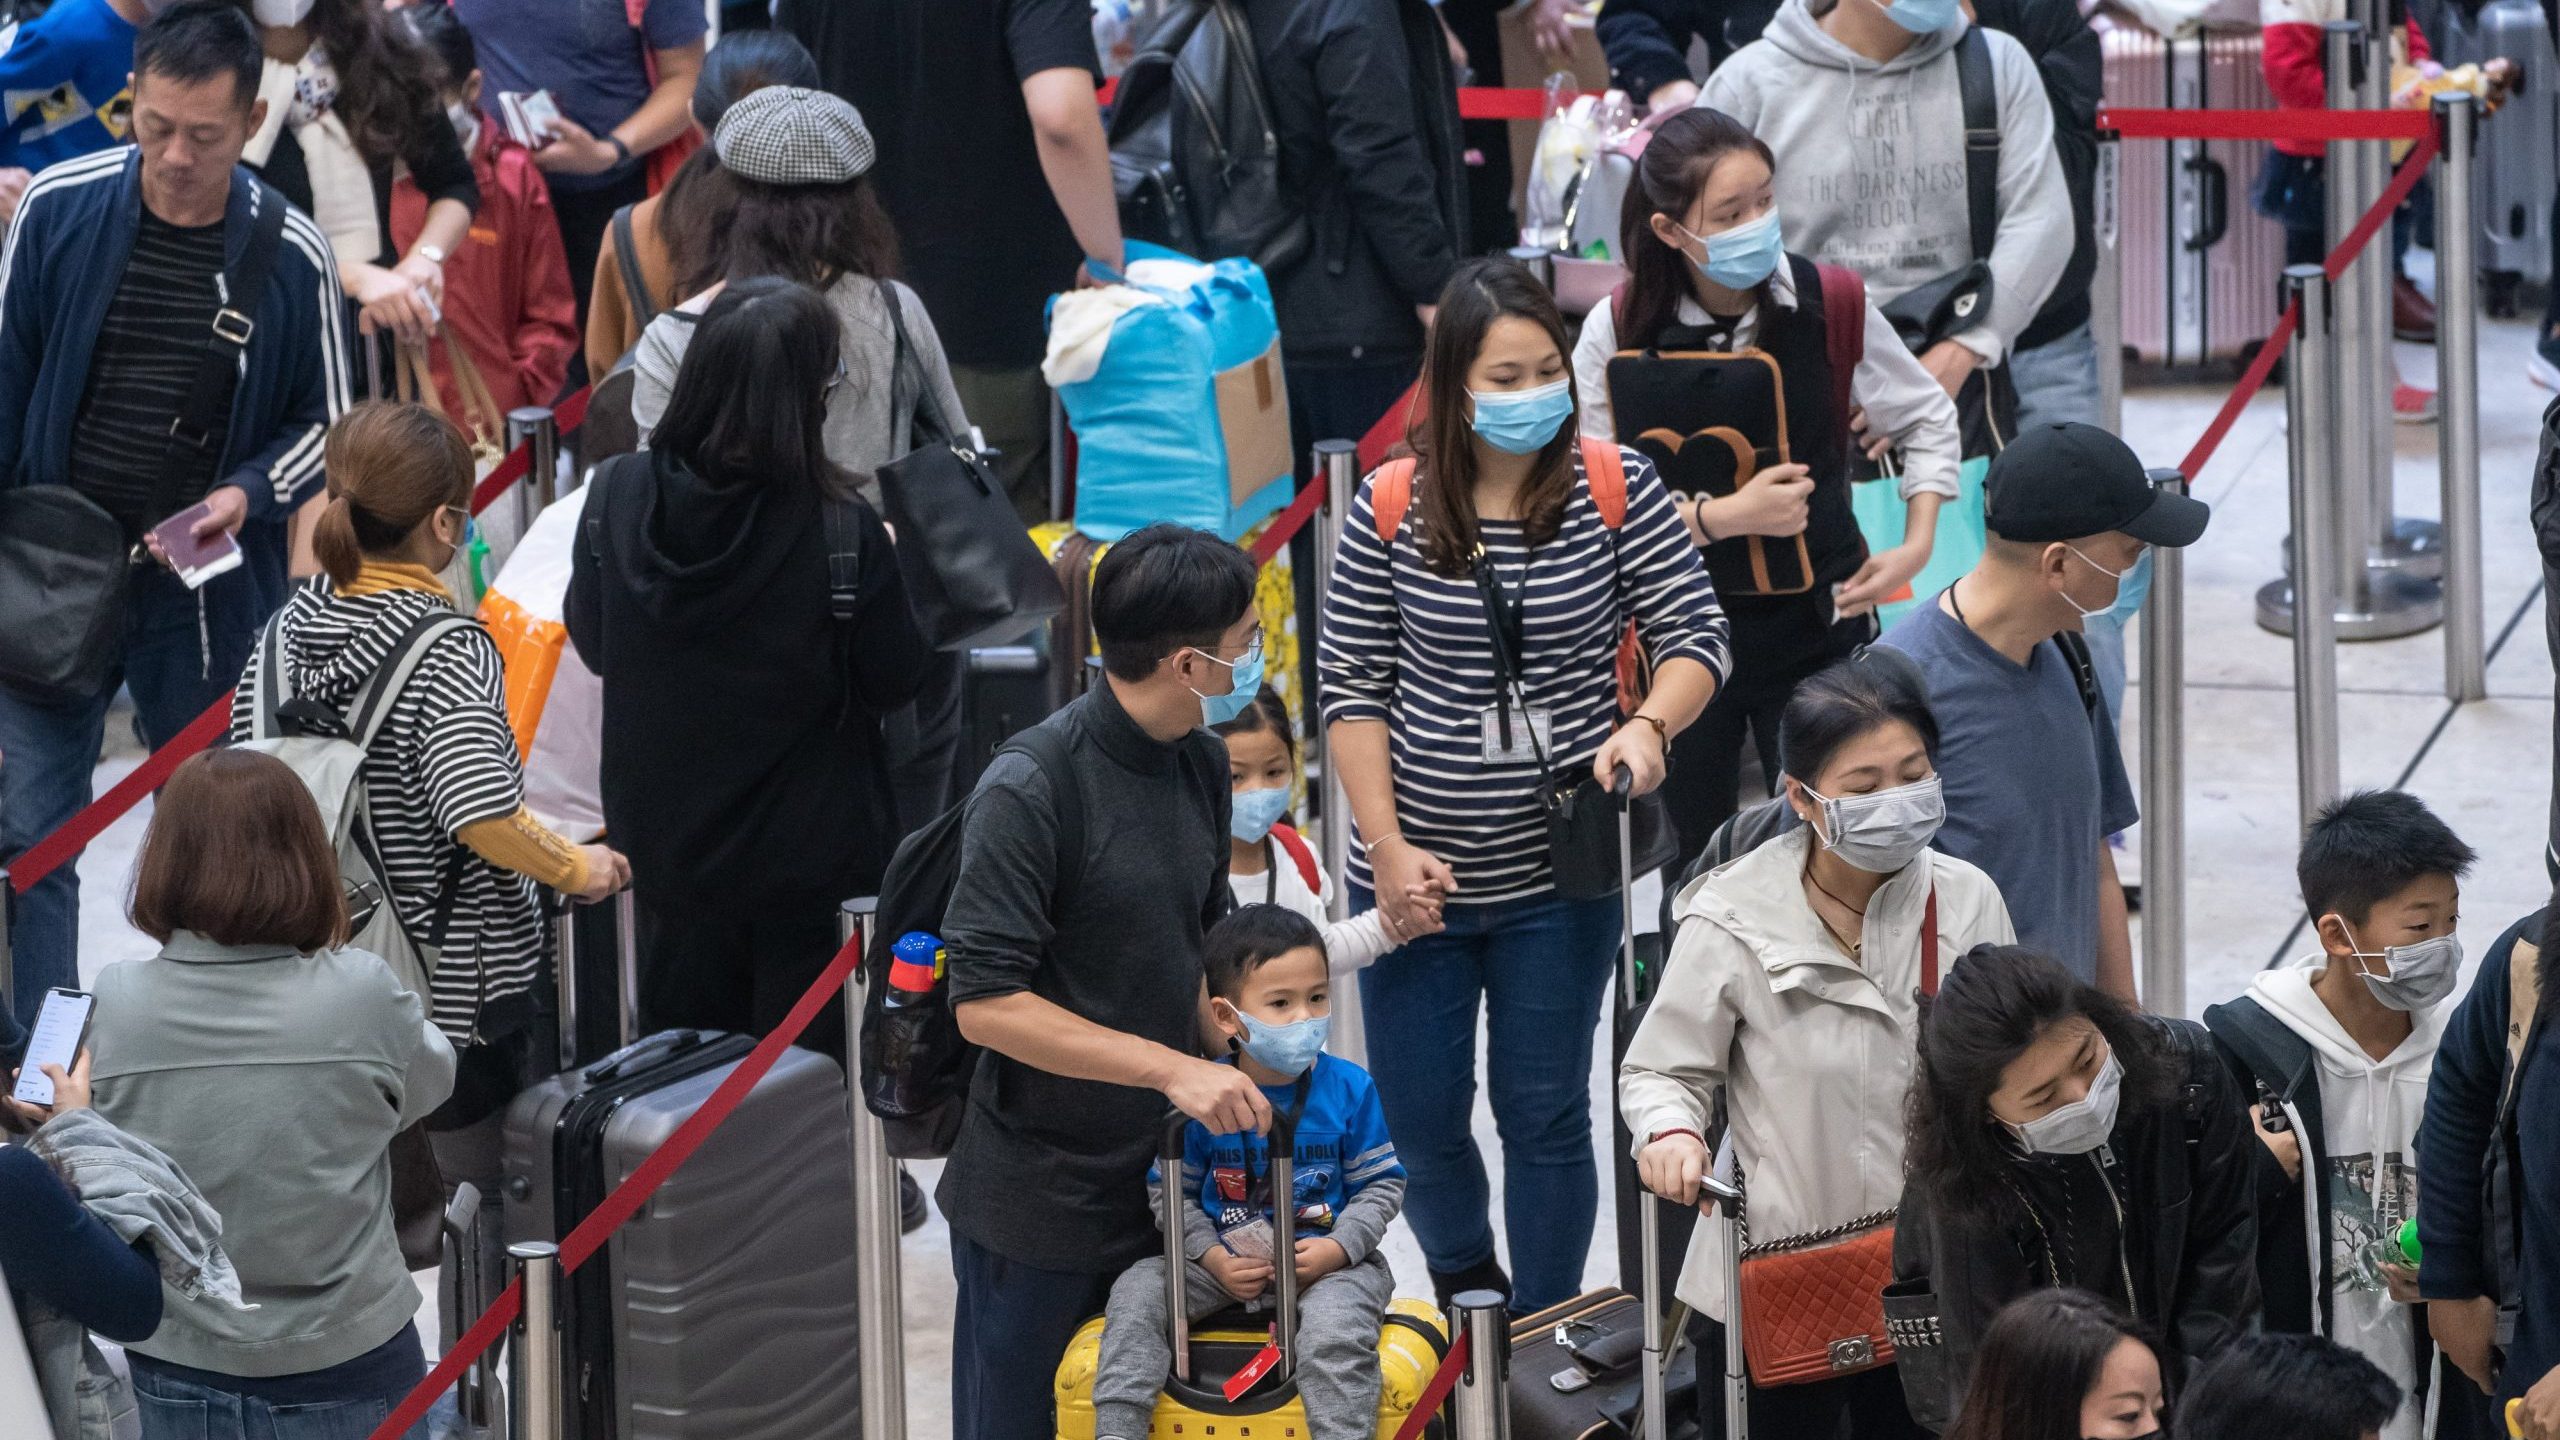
(2330, 1210)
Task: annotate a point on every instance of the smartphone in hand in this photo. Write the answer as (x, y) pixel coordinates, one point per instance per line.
(62, 1027)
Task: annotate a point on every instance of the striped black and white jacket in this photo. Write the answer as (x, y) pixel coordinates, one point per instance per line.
(1412, 648)
(444, 759)
(65, 254)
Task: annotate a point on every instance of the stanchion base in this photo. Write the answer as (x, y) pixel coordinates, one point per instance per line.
(2411, 547)
(2399, 604)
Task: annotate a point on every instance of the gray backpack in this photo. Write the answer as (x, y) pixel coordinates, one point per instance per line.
(327, 750)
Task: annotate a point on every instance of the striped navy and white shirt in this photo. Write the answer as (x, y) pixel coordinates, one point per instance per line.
(445, 758)
(1412, 648)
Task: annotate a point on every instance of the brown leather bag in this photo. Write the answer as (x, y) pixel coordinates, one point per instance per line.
(1812, 1305)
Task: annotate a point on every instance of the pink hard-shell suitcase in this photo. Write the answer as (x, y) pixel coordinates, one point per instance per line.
(2200, 263)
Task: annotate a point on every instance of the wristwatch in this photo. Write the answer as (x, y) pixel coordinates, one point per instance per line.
(621, 151)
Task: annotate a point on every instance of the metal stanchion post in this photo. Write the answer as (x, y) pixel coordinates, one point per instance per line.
(1480, 1406)
(2410, 546)
(2309, 373)
(535, 427)
(534, 1379)
(2106, 285)
(1337, 468)
(2164, 775)
(2458, 401)
(626, 961)
(881, 1351)
(2343, 57)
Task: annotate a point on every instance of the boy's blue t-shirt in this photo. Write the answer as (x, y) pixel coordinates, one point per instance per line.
(64, 84)
(1342, 1148)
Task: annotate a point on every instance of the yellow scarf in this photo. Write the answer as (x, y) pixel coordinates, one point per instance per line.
(377, 576)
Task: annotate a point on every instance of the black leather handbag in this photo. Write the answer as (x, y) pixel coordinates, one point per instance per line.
(972, 575)
(63, 563)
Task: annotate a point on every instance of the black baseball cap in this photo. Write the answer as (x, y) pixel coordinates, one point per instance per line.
(2068, 480)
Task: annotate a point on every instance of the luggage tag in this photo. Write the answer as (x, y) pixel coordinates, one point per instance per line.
(1251, 1375)
(1531, 732)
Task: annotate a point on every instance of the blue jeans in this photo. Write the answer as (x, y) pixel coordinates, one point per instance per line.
(2058, 380)
(183, 650)
(1011, 1324)
(174, 1409)
(1541, 966)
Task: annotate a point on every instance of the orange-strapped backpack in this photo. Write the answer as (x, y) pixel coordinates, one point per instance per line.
(1605, 471)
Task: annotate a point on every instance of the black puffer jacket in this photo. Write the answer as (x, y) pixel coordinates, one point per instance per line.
(2187, 1179)
(1367, 112)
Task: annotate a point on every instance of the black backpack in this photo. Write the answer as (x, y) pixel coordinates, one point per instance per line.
(920, 1102)
(1195, 156)
(1750, 828)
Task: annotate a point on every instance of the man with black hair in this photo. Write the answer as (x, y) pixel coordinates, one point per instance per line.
(2034, 779)
(169, 342)
(1080, 972)
(2335, 1051)
(2299, 1387)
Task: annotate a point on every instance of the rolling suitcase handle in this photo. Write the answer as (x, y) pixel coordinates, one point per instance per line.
(1284, 1248)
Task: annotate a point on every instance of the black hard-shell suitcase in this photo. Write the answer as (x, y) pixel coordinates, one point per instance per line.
(725, 1308)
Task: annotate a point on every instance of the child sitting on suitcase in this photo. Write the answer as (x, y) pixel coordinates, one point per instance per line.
(1269, 994)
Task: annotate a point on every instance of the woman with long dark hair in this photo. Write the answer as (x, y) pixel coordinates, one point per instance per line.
(1710, 271)
(744, 672)
(2058, 1137)
(349, 97)
(2062, 1364)
(1503, 510)
(1794, 987)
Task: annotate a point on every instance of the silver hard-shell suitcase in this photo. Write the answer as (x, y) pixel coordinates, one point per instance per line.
(724, 1309)
(2518, 165)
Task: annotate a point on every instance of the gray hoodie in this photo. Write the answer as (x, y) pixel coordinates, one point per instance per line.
(1871, 163)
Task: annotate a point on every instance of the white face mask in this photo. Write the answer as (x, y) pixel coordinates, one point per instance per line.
(1885, 830)
(277, 14)
(2418, 975)
(2081, 1126)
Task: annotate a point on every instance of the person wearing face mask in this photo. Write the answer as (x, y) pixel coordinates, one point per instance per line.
(2338, 1050)
(1793, 986)
(2055, 1136)
(1269, 999)
(1711, 272)
(1507, 546)
(1862, 100)
(2035, 780)
(443, 784)
(2061, 1364)
(507, 299)
(1270, 862)
(1081, 974)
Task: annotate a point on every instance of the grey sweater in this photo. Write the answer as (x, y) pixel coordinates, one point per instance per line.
(1871, 163)
(864, 428)
(277, 1081)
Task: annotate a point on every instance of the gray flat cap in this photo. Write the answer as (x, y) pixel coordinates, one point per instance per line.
(785, 135)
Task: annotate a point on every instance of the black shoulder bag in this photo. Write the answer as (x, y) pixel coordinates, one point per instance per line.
(64, 560)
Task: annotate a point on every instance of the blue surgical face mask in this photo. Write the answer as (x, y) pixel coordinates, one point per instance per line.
(1256, 811)
(1743, 256)
(1219, 709)
(1923, 17)
(1286, 1049)
(1521, 422)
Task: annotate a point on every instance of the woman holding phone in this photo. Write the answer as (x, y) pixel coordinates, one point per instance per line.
(1503, 509)
(1711, 272)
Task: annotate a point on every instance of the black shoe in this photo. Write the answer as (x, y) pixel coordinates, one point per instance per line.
(1485, 1274)
(911, 1210)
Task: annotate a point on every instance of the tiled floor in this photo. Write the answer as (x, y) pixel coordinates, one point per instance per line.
(2486, 767)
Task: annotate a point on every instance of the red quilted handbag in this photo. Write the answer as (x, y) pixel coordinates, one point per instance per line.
(1813, 1306)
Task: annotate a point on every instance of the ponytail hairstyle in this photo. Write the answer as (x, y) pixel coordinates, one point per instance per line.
(390, 467)
(1684, 151)
(1443, 438)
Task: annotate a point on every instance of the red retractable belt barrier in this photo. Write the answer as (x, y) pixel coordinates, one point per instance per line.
(73, 835)
(2268, 124)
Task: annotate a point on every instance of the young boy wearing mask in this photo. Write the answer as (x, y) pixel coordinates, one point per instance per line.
(2336, 1050)
(1270, 999)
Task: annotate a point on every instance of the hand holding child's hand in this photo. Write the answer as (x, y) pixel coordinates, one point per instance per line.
(1238, 1276)
(1319, 1256)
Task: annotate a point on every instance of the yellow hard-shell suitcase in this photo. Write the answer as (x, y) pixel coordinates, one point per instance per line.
(1411, 1344)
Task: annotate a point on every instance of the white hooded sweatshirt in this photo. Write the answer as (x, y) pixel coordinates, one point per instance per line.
(2369, 1113)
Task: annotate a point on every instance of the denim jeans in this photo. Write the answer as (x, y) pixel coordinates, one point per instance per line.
(174, 1409)
(1011, 1324)
(2058, 380)
(1540, 965)
(183, 650)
